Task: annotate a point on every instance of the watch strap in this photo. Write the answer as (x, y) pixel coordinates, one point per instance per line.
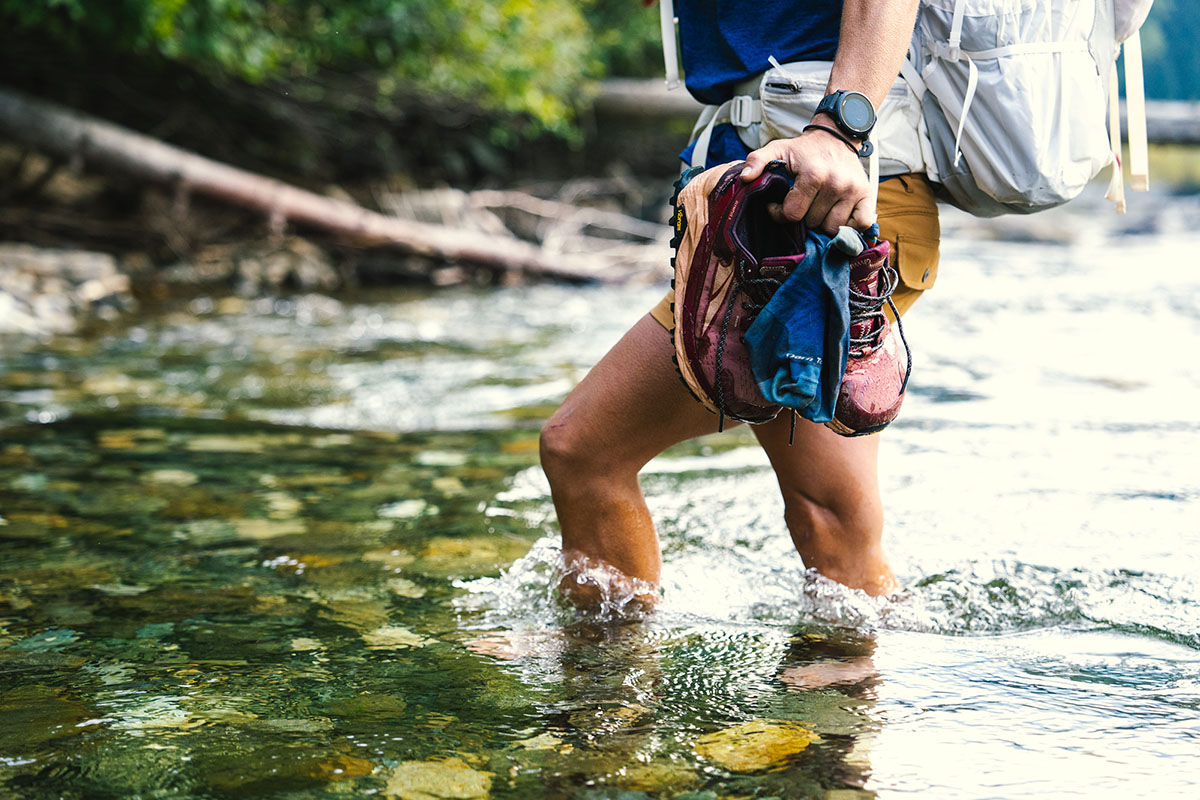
(862, 152)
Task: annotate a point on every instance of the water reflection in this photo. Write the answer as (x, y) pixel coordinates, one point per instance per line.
(640, 708)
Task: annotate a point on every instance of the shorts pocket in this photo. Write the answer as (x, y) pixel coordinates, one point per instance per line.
(916, 261)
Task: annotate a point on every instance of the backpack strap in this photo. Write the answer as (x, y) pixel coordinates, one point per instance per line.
(1116, 181)
(1135, 115)
(666, 19)
(1135, 125)
(740, 110)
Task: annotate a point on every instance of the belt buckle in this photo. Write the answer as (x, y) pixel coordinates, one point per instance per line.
(741, 111)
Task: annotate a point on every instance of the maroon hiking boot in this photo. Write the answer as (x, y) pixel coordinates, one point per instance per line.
(878, 364)
(730, 257)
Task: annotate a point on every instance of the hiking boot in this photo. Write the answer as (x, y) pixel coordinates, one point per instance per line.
(730, 257)
(878, 362)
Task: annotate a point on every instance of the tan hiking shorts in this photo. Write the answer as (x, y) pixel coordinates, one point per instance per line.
(908, 219)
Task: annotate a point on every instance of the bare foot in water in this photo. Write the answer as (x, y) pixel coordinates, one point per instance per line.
(515, 645)
(823, 674)
(594, 586)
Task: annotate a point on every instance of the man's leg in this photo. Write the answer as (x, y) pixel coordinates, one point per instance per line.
(629, 408)
(832, 507)
(632, 406)
(830, 484)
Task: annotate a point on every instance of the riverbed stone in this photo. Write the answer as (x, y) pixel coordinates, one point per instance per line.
(451, 779)
(757, 745)
(394, 637)
(656, 777)
(171, 477)
(34, 714)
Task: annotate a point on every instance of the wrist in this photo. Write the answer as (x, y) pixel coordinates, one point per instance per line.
(829, 121)
(862, 148)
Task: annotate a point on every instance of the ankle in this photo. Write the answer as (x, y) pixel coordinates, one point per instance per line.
(593, 584)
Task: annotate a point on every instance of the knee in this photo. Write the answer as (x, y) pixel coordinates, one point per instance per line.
(564, 448)
(831, 525)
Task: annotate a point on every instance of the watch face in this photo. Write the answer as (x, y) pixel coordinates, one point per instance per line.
(857, 112)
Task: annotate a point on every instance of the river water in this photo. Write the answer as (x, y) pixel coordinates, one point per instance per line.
(301, 548)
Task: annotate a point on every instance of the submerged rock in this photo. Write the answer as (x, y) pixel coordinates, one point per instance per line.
(341, 768)
(450, 779)
(368, 706)
(267, 528)
(34, 714)
(394, 637)
(405, 509)
(756, 745)
(543, 741)
(657, 776)
(171, 477)
(447, 556)
(403, 587)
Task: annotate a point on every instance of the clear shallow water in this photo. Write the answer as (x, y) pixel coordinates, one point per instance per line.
(302, 549)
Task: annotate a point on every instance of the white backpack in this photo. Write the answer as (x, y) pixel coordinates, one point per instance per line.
(1016, 96)
(1011, 99)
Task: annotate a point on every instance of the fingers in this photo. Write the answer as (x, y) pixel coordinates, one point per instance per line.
(826, 200)
(757, 161)
(864, 214)
(830, 188)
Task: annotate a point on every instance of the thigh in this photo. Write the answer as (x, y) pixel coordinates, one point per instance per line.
(632, 405)
(835, 472)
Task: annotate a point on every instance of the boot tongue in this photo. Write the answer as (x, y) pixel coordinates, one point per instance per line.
(864, 280)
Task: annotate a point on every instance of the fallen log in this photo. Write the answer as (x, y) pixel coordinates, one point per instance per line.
(74, 137)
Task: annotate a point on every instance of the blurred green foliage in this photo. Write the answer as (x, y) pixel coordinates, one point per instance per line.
(329, 90)
(1171, 50)
(521, 56)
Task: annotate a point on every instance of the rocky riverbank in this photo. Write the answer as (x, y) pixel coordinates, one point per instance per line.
(46, 290)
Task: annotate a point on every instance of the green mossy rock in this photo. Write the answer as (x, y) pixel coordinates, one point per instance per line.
(757, 745)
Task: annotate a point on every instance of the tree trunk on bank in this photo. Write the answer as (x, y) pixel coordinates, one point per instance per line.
(74, 137)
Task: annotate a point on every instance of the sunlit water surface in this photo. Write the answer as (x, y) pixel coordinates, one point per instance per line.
(302, 548)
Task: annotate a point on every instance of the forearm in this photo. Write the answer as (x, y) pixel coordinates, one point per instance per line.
(873, 42)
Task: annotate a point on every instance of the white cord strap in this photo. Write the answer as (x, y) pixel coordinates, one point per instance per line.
(1116, 181)
(714, 115)
(666, 18)
(1135, 115)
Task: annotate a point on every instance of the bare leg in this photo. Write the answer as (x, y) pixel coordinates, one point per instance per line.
(632, 406)
(628, 409)
(830, 488)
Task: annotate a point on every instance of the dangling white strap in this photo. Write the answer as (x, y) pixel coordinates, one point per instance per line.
(666, 18)
(1135, 115)
(1116, 181)
(972, 83)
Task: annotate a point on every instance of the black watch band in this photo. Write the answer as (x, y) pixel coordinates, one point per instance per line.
(862, 152)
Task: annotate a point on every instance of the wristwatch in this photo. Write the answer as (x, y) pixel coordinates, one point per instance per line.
(852, 112)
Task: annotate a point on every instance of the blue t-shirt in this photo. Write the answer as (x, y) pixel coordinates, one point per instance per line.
(724, 42)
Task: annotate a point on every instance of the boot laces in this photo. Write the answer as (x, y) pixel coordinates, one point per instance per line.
(866, 308)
